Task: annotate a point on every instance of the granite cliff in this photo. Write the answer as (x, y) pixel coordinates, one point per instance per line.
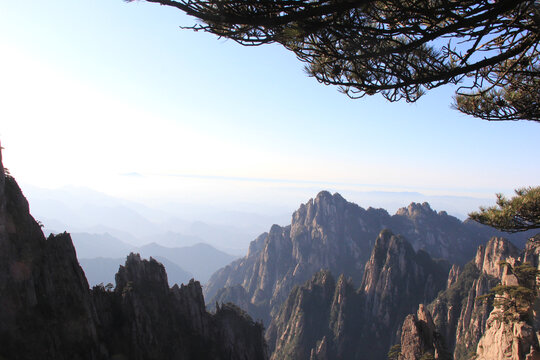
(465, 320)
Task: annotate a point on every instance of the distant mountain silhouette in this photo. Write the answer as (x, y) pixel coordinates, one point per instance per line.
(200, 259)
(98, 253)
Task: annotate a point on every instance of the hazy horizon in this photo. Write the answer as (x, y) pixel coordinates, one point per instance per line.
(113, 97)
(228, 226)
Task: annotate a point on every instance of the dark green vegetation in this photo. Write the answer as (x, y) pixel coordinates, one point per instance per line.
(394, 352)
(515, 301)
(457, 293)
(520, 213)
(398, 48)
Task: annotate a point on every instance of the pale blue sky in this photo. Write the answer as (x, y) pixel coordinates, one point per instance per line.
(93, 89)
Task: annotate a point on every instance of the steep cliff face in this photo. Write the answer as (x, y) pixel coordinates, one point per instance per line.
(472, 328)
(324, 319)
(512, 332)
(302, 322)
(47, 310)
(395, 271)
(395, 281)
(321, 319)
(44, 297)
(330, 233)
(502, 340)
(489, 256)
(458, 316)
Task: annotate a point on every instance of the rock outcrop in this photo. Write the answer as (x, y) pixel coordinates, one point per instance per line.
(47, 310)
(153, 321)
(502, 340)
(304, 326)
(420, 338)
(397, 279)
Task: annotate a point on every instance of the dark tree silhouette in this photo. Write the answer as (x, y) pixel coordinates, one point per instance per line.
(398, 48)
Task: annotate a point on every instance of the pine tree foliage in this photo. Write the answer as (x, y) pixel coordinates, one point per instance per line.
(394, 352)
(520, 213)
(398, 48)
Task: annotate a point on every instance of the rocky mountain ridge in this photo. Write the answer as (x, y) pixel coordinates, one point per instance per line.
(48, 311)
(328, 319)
(331, 233)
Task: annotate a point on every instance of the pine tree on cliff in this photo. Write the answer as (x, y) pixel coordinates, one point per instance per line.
(520, 213)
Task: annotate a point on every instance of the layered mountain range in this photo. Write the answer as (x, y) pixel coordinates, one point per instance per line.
(47, 310)
(339, 282)
(197, 261)
(331, 233)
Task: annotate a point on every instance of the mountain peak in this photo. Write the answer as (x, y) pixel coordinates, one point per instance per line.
(326, 211)
(323, 278)
(141, 275)
(416, 209)
(325, 195)
(396, 274)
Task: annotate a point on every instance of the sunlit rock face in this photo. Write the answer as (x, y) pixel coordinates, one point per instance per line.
(513, 337)
(47, 310)
(458, 316)
(470, 327)
(507, 340)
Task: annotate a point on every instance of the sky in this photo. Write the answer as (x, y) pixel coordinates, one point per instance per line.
(113, 96)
